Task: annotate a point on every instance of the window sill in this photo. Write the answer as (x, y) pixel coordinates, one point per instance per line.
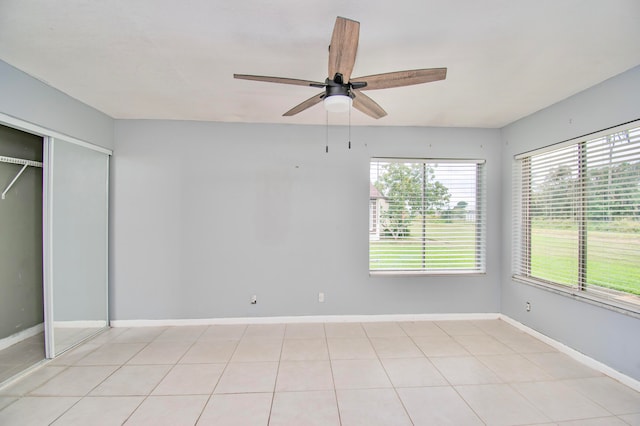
(425, 274)
(583, 296)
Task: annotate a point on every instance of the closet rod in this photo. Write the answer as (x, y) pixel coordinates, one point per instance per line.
(24, 163)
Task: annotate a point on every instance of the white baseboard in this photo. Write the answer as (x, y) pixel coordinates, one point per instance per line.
(304, 319)
(578, 356)
(20, 336)
(80, 324)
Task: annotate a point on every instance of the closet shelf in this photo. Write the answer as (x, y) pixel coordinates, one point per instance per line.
(20, 161)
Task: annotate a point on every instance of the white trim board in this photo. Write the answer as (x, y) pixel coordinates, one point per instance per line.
(304, 319)
(37, 130)
(21, 335)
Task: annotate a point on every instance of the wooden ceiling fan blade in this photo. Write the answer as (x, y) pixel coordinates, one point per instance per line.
(402, 78)
(343, 48)
(305, 105)
(368, 106)
(280, 80)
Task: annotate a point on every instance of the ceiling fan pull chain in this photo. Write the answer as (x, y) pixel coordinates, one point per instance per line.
(327, 131)
(349, 128)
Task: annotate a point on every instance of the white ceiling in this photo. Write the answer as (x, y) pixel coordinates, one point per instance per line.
(167, 59)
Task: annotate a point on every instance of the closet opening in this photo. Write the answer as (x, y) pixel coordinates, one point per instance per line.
(22, 341)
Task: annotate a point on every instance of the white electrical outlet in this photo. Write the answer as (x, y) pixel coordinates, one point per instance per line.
(321, 297)
(528, 307)
(254, 299)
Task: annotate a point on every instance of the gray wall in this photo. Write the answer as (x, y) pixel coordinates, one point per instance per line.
(607, 336)
(206, 214)
(21, 304)
(31, 100)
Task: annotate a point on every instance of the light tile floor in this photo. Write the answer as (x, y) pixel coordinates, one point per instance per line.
(393, 373)
(21, 356)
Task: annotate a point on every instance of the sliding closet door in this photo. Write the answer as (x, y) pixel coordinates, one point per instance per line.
(76, 252)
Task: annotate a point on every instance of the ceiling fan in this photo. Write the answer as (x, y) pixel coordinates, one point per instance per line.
(340, 90)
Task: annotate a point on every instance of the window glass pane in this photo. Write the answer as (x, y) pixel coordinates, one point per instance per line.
(426, 216)
(554, 224)
(613, 213)
(577, 216)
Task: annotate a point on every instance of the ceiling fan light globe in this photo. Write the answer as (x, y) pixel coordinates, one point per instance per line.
(337, 103)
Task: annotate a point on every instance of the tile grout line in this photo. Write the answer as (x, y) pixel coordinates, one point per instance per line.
(395, 390)
(560, 381)
(39, 366)
(146, 397)
(588, 396)
(98, 384)
(333, 382)
(171, 369)
(451, 385)
(221, 373)
(81, 398)
(275, 382)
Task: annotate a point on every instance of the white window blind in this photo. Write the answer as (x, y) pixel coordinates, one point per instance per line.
(426, 216)
(577, 217)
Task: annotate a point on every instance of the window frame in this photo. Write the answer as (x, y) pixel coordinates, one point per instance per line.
(522, 229)
(480, 215)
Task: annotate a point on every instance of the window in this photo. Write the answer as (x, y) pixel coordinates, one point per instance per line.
(577, 217)
(426, 216)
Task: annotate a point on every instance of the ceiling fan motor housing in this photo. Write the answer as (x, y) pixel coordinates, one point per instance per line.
(334, 88)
